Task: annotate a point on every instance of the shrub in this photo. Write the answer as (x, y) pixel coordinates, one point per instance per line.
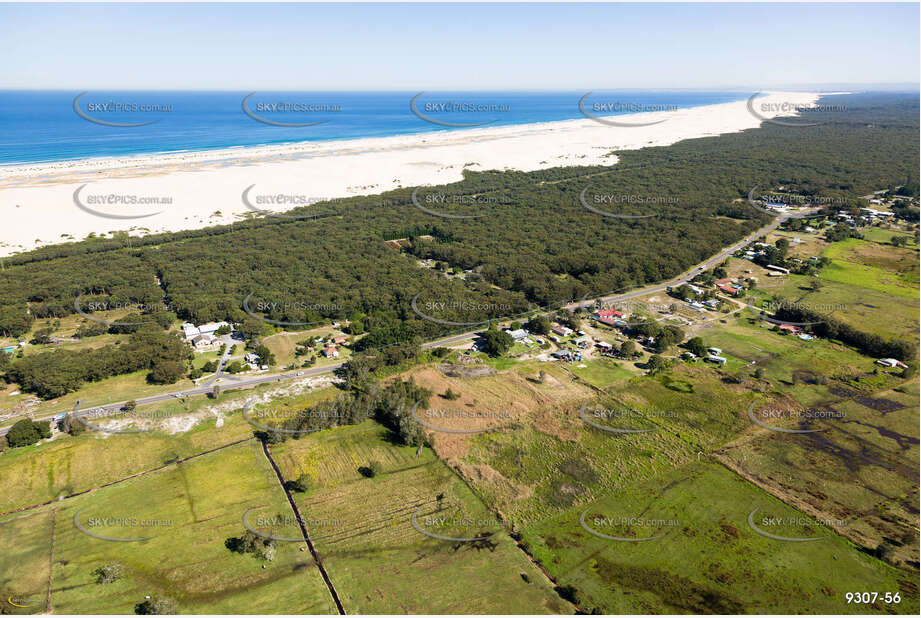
(108, 573)
(27, 431)
(156, 606)
(301, 485)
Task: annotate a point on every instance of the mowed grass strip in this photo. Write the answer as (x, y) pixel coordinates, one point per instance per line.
(708, 559)
(24, 561)
(377, 560)
(189, 511)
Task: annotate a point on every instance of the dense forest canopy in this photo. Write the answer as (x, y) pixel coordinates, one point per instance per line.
(534, 245)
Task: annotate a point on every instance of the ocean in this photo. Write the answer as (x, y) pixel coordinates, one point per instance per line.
(47, 126)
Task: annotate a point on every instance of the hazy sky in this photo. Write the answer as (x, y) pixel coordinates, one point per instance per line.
(455, 46)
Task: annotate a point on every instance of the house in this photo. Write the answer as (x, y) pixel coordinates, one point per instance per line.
(719, 360)
(791, 328)
(519, 334)
(712, 303)
(201, 341)
(251, 358)
(340, 340)
(582, 342)
(9, 349)
(729, 290)
(714, 351)
(778, 269)
(562, 331)
(331, 352)
(609, 313)
(805, 336)
(891, 362)
(604, 345)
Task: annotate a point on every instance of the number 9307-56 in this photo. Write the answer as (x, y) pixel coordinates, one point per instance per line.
(869, 598)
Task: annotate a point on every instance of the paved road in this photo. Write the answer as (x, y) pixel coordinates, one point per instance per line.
(245, 382)
(237, 382)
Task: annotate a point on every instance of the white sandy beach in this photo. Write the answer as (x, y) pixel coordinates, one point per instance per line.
(37, 203)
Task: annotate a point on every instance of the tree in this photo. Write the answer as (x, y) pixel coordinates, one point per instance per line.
(539, 325)
(166, 372)
(223, 330)
(265, 355)
(656, 363)
(300, 485)
(451, 395)
(372, 469)
(42, 336)
(27, 432)
(108, 573)
(497, 342)
(156, 606)
(628, 348)
(72, 425)
(130, 405)
(515, 325)
(696, 346)
(783, 245)
(252, 328)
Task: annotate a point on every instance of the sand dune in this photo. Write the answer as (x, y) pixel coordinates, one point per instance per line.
(180, 191)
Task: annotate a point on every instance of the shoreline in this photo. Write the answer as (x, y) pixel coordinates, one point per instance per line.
(195, 189)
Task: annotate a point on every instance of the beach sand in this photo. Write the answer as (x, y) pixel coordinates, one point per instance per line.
(38, 204)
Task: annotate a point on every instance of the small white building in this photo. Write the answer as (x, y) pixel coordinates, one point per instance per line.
(518, 335)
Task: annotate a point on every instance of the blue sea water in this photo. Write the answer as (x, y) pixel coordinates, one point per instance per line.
(44, 126)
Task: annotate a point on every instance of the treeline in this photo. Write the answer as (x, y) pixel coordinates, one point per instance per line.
(392, 405)
(832, 328)
(55, 373)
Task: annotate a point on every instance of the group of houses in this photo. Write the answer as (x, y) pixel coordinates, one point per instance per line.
(329, 347)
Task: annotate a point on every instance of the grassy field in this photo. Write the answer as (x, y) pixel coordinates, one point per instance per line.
(553, 459)
(186, 512)
(69, 464)
(707, 559)
(789, 364)
(872, 266)
(603, 372)
(885, 235)
(284, 344)
(378, 561)
(870, 310)
(861, 468)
